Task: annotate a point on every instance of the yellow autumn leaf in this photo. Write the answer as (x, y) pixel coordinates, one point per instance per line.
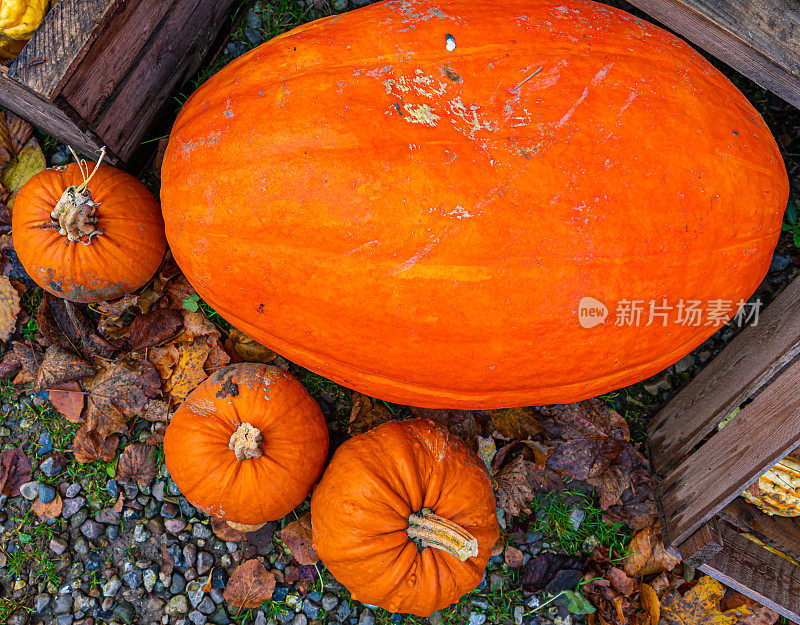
(701, 606)
(9, 308)
(188, 371)
(29, 162)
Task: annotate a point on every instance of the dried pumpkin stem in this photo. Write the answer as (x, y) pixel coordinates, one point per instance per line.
(427, 529)
(246, 442)
(74, 214)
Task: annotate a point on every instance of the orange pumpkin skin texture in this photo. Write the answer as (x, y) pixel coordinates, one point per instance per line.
(420, 224)
(360, 512)
(118, 261)
(290, 456)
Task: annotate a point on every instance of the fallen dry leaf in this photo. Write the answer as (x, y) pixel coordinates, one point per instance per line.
(217, 357)
(366, 414)
(59, 366)
(225, 532)
(9, 308)
(178, 289)
(487, 450)
(15, 470)
(542, 570)
(48, 510)
(19, 131)
(513, 557)
(164, 360)
(297, 536)
(197, 324)
(28, 358)
(640, 552)
(9, 363)
(651, 603)
(155, 328)
(188, 372)
(119, 392)
(466, 424)
(89, 446)
(209, 582)
(29, 162)
(611, 484)
(69, 399)
(250, 585)
(761, 615)
(514, 423)
(621, 582)
(156, 410)
(157, 435)
(119, 504)
(137, 464)
(589, 437)
(700, 606)
(248, 349)
(513, 486)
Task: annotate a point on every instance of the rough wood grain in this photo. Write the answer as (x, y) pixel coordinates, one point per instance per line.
(61, 41)
(752, 570)
(113, 54)
(765, 431)
(175, 50)
(777, 531)
(759, 38)
(46, 116)
(701, 545)
(743, 367)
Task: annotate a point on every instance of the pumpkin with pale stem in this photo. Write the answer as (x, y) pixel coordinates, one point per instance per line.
(777, 492)
(476, 178)
(405, 518)
(247, 444)
(88, 236)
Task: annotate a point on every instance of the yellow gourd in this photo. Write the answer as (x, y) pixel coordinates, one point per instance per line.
(778, 490)
(19, 19)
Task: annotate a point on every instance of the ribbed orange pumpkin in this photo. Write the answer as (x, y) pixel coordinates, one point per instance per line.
(247, 444)
(108, 239)
(421, 223)
(404, 516)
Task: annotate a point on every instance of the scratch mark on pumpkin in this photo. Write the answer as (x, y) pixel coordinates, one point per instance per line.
(420, 114)
(420, 255)
(361, 247)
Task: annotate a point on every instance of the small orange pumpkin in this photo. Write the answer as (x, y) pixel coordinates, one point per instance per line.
(247, 444)
(88, 237)
(405, 517)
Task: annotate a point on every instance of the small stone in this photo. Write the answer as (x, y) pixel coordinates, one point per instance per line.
(216, 595)
(131, 490)
(65, 619)
(476, 618)
(45, 445)
(149, 579)
(169, 511)
(177, 605)
(20, 618)
(253, 19)
(125, 612)
(361, 3)
(51, 467)
(660, 382)
(219, 577)
(112, 531)
(329, 602)
(201, 531)
(311, 609)
(175, 525)
(177, 585)
(92, 529)
(253, 36)
(197, 618)
(151, 508)
(204, 562)
(129, 514)
(231, 546)
(435, 619)
(366, 618)
(344, 611)
(235, 49)
(71, 506)
(46, 493)
(187, 509)
(140, 534)
(112, 488)
(158, 490)
(58, 545)
(63, 605)
(339, 5)
(519, 612)
(261, 619)
(29, 490)
(40, 602)
(220, 617)
(83, 603)
(207, 606)
(194, 591)
(300, 619)
(72, 490)
(133, 578)
(685, 363)
(576, 517)
(109, 516)
(779, 262)
(81, 546)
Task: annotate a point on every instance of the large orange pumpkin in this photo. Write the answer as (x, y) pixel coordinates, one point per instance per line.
(88, 242)
(405, 518)
(247, 444)
(412, 199)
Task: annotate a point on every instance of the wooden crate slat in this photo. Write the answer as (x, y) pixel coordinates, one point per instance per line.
(759, 39)
(72, 25)
(737, 373)
(701, 545)
(777, 531)
(159, 71)
(113, 53)
(47, 116)
(764, 431)
(752, 570)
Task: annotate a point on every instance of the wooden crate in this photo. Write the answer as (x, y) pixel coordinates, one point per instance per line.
(702, 469)
(97, 72)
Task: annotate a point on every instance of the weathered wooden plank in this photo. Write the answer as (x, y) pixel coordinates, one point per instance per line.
(47, 116)
(175, 50)
(760, 39)
(701, 545)
(112, 55)
(777, 531)
(737, 373)
(59, 44)
(752, 570)
(765, 431)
